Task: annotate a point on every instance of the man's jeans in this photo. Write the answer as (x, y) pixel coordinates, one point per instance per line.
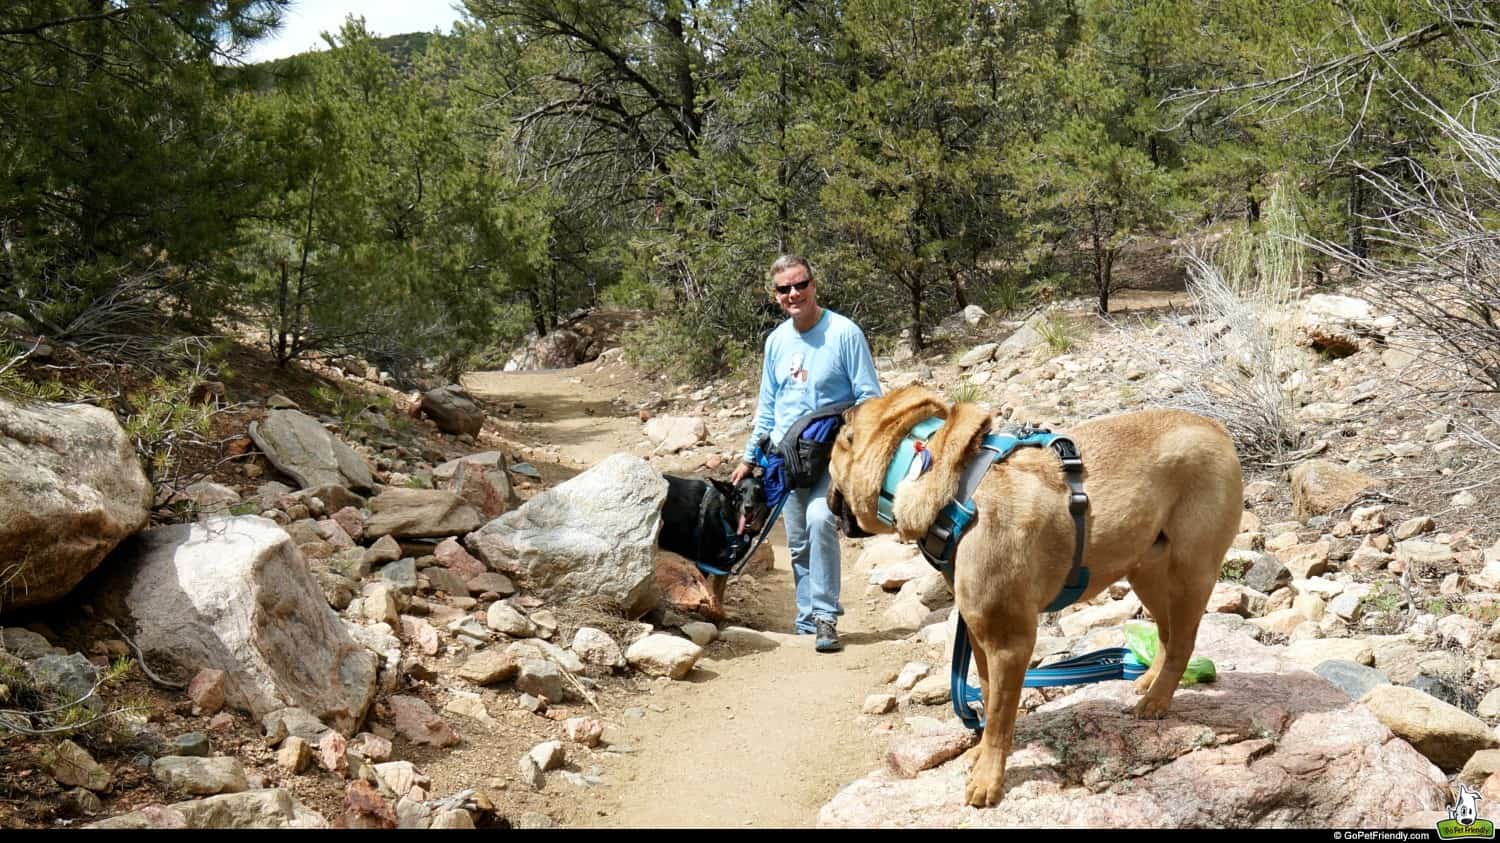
(812, 537)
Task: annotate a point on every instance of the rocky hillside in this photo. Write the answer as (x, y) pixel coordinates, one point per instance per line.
(327, 631)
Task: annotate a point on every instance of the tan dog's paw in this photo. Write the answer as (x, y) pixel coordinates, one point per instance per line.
(986, 780)
(1143, 682)
(1152, 708)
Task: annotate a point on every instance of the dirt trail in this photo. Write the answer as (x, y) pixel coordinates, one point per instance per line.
(750, 739)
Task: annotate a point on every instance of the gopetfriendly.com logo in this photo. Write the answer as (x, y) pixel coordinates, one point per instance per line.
(1463, 821)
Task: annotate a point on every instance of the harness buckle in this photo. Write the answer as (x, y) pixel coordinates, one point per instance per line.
(1078, 503)
(1067, 451)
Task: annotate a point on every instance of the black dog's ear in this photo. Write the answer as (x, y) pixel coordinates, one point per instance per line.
(725, 489)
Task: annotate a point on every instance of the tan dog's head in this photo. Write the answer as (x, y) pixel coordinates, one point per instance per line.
(864, 447)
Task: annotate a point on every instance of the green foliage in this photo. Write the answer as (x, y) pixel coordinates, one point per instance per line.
(420, 200)
(358, 413)
(245, 508)
(965, 392)
(1384, 599)
(388, 235)
(632, 293)
(1242, 339)
(115, 153)
(16, 386)
(1058, 332)
(161, 421)
(1234, 570)
(672, 345)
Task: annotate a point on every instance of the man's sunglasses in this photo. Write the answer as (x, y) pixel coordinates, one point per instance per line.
(783, 289)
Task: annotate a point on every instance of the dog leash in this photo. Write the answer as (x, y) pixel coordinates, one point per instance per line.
(1098, 666)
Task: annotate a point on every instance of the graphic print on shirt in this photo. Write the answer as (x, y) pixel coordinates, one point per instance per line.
(796, 371)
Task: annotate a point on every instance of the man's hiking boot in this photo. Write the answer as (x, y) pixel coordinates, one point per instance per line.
(828, 637)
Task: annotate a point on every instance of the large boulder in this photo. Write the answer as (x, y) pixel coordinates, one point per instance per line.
(594, 535)
(561, 349)
(453, 409)
(275, 808)
(71, 489)
(299, 447)
(1264, 746)
(1444, 733)
(233, 594)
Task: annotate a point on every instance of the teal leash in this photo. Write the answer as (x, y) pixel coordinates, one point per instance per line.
(1098, 666)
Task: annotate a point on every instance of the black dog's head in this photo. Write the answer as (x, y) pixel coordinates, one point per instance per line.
(746, 504)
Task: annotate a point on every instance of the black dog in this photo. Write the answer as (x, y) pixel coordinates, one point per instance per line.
(710, 521)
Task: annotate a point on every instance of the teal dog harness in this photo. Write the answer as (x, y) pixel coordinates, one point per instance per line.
(940, 545)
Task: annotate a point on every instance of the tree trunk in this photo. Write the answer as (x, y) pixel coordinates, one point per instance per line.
(552, 295)
(283, 290)
(1357, 244)
(538, 318)
(682, 72)
(960, 291)
(1109, 280)
(783, 174)
(915, 286)
(1101, 271)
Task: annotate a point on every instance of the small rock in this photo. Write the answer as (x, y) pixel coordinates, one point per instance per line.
(504, 618)
(549, 755)
(294, 755)
(700, 632)
(333, 752)
(913, 754)
(415, 720)
(79, 801)
(934, 690)
(207, 691)
(200, 776)
(1415, 526)
(531, 772)
(583, 730)
(1446, 734)
(71, 765)
(663, 655)
(1352, 678)
(190, 744)
(911, 674)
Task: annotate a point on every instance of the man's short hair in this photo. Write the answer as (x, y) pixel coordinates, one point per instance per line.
(786, 262)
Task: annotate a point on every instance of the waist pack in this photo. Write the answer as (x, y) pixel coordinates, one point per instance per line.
(801, 458)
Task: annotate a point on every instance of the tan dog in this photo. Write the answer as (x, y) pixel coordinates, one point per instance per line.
(1164, 491)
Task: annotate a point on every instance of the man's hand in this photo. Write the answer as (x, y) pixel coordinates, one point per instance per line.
(740, 472)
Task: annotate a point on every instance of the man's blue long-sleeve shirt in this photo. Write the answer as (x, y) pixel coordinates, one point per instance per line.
(803, 372)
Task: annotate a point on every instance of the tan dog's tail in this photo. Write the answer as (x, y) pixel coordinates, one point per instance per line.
(920, 499)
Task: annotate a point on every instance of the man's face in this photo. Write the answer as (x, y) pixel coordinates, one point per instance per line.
(798, 304)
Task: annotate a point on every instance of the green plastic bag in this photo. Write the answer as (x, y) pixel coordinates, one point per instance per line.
(1141, 638)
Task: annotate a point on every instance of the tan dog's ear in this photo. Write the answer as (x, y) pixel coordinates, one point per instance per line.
(920, 499)
(873, 434)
